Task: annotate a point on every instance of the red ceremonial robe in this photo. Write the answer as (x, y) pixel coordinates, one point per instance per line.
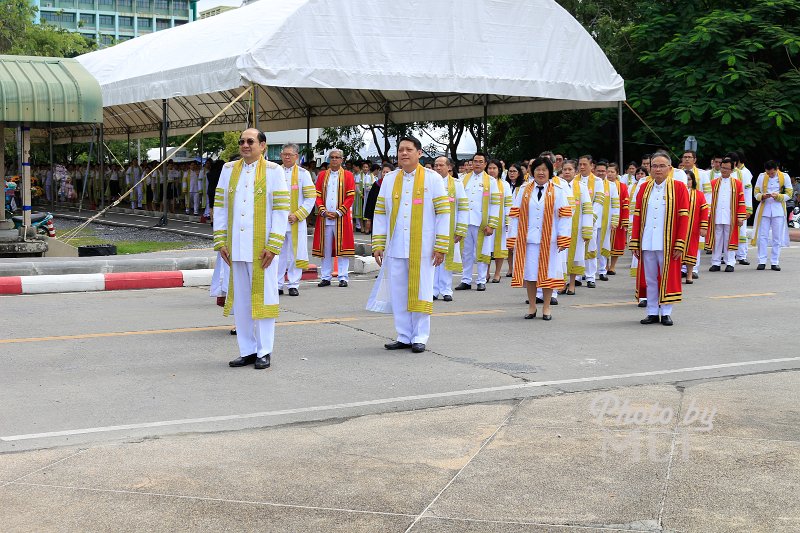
(619, 240)
(698, 220)
(738, 212)
(344, 244)
(676, 229)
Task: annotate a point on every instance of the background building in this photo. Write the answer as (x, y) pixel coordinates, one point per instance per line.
(215, 11)
(108, 21)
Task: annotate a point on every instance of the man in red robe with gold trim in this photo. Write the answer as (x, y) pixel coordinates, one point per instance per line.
(727, 214)
(658, 239)
(333, 231)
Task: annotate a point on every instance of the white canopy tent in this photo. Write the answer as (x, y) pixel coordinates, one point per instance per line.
(318, 63)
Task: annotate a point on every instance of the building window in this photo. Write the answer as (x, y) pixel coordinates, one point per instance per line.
(87, 20)
(180, 5)
(161, 4)
(107, 5)
(58, 17)
(107, 20)
(126, 22)
(124, 5)
(145, 23)
(143, 5)
(180, 23)
(162, 24)
(106, 40)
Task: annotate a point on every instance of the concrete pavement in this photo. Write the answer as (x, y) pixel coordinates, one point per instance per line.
(119, 413)
(550, 464)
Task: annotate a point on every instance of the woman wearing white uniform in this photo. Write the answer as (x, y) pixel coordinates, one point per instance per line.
(516, 178)
(494, 169)
(542, 231)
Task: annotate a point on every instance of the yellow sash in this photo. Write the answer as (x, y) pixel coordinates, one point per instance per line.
(260, 310)
(604, 223)
(294, 205)
(415, 305)
(482, 258)
(450, 263)
(754, 240)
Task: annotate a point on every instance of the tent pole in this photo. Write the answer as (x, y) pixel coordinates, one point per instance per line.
(310, 153)
(26, 181)
(619, 125)
(164, 175)
(255, 106)
(129, 146)
(53, 188)
(386, 130)
(200, 146)
(3, 224)
(102, 171)
(485, 124)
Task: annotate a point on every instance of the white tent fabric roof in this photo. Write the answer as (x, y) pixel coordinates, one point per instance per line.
(320, 63)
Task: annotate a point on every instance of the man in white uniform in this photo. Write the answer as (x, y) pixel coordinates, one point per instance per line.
(459, 218)
(251, 207)
(773, 190)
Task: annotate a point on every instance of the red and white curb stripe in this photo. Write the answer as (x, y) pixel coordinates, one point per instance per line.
(104, 282)
(116, 281)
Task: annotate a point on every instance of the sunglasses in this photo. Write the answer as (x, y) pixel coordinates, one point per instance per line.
(250, 142)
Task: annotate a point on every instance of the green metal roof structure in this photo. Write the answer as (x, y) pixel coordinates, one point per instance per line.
(48, 91)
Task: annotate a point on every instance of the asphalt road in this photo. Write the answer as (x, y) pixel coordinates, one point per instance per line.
(90, 367)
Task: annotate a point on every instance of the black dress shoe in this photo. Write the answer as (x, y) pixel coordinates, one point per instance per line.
(324, 283)
(591, 284)
(611, 273)
(294, 292)
(643, 303)
(396, 345)
(666, 320)
(530, 316)
(761, 266)
(447, 298)
(578, 283)
(233, 331)
(417, 347)
(343, 283)
(509, 274)
(435, 298)
(570, 293)
(547, 317)
(243, 360)
(729, 268)
(463, 287)
(481, 287)
(651, 319)
(603, 277)
(775, 268)
(539, 300)
(495, 281)
(553, 300)
(683, 274)
(714, 268)
(262, 362)
(280, 292)
(743, 262)
(695, 275)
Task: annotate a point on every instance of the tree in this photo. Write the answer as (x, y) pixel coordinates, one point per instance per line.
(20, 36)
(348, 139)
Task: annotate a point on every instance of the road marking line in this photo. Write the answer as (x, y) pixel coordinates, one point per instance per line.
(384, 401)
(730, 296)
(213, 328)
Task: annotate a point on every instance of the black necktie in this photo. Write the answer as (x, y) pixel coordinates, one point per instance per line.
(539, 192)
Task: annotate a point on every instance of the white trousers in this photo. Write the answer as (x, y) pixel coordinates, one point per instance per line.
(136, 196)
(653, 262)
(442, 281)
(741, 250)
(722, 234)
(411, 327)
(777, 226)
(254, 336)
(194, 198)
(602, 261)
(540, 294)
(286, 265)
(469, 256)
(591, 264)
(343, 264)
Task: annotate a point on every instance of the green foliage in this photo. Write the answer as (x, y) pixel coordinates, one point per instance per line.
(230, 141)
(20, 36)
(349, 139)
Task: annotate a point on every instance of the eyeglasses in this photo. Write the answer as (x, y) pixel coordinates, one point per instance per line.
(250, 142)
(659, 166)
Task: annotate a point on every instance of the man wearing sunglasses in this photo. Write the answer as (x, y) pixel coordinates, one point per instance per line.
(333, 232)
(251, 208)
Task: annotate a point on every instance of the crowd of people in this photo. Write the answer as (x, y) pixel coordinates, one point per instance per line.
(558, 222)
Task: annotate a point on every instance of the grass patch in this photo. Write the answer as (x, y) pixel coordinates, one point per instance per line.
(87, 237)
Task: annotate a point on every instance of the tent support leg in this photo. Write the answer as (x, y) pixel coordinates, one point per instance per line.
(26, 180)
(619, 126)
(310, 152)
(102, 176)
(4, 225)
(53, 188)
(164, 175)
(255, 106)
(485, 123)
